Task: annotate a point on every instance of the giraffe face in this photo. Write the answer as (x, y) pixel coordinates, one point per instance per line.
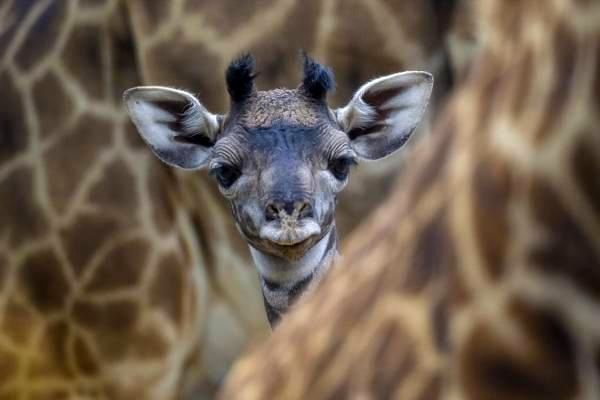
(282, 171)
(281, 156)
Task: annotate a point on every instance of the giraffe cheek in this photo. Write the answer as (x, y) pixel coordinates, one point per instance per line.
(248, 219)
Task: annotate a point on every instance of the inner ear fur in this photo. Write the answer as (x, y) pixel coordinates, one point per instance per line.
(175, 125)
(384, 112)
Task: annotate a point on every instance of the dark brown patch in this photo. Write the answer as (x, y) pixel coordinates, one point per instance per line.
(112, 323)
(564, 62)
(586, 166)
(93, 3)
(392, 359)
(133, 138)
(366, 295)
(380, 232)
(114, 316)
(167, 290)
(52, 104)
(567, 251)
(486, 87)
(433, 389)
(356, 36)
(84, 237)
(434, 152)
(3, 270)
(227, 16)
(15, 135)
(84, 60)
(202, 230)
(356, 202)
(17, 322)
(190, 66)
(545, 368)
(159, 185)
(54, 360)
(121, 42)
(460, 295)
(21, 215)
(439, 324)
(121, 268)
(8, 367)
(153, 14)
(116, 191)
(85, 361)
(43, 281)
(17, 12)
(69, 160)
(42, 36)
(149, 344)
(597, 361)
(278, 61)
(432, 257)
(583, 4)
(491, 193)
(596, 82)
(49, 394)
(414, 19)
(184, 248)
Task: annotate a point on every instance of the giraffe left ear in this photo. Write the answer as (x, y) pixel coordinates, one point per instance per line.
(384, 113)
(176, 126)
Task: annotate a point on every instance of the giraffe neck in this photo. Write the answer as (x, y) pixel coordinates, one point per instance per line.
(283, 281)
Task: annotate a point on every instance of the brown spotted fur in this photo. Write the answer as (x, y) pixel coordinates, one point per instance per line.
(118, 278)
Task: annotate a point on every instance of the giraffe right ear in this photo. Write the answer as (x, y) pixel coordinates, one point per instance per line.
(176, 126)
(384, 113)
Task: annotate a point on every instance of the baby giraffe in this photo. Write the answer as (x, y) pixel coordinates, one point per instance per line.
(281, 157)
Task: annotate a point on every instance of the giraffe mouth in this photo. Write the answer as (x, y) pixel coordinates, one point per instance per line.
(288, 234)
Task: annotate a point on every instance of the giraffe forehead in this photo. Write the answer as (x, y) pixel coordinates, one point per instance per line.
(283, 107)
(282, 142)
(284, 139)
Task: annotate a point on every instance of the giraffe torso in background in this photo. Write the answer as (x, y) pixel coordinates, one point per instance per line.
(479, 277)
(104, 288)
(109, 286)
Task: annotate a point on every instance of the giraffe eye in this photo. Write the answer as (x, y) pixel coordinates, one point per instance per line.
(340, 167)
(226, 174)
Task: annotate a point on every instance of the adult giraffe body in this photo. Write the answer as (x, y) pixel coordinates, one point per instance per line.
(109, 286)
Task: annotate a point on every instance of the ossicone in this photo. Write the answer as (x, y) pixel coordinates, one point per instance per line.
(240, 77)
(318, 79)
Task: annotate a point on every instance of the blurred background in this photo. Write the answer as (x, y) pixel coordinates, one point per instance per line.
(120, 277)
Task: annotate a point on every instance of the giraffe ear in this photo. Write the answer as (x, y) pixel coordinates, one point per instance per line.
(384, 113)
(176, 126)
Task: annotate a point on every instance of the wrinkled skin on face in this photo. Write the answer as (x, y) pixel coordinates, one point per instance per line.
(282, 171)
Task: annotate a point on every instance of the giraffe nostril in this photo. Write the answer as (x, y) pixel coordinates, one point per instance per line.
(294, 209)
(305, 210)
(271, 212)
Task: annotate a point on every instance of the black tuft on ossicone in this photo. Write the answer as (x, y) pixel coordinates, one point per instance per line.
(318, 79)
(240, 77)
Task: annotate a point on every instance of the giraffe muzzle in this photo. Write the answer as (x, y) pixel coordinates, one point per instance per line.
(290, 231)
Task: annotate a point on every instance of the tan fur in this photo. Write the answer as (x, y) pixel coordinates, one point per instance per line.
(109, 286)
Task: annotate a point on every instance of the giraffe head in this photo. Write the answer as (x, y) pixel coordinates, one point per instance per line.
(281, 156)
